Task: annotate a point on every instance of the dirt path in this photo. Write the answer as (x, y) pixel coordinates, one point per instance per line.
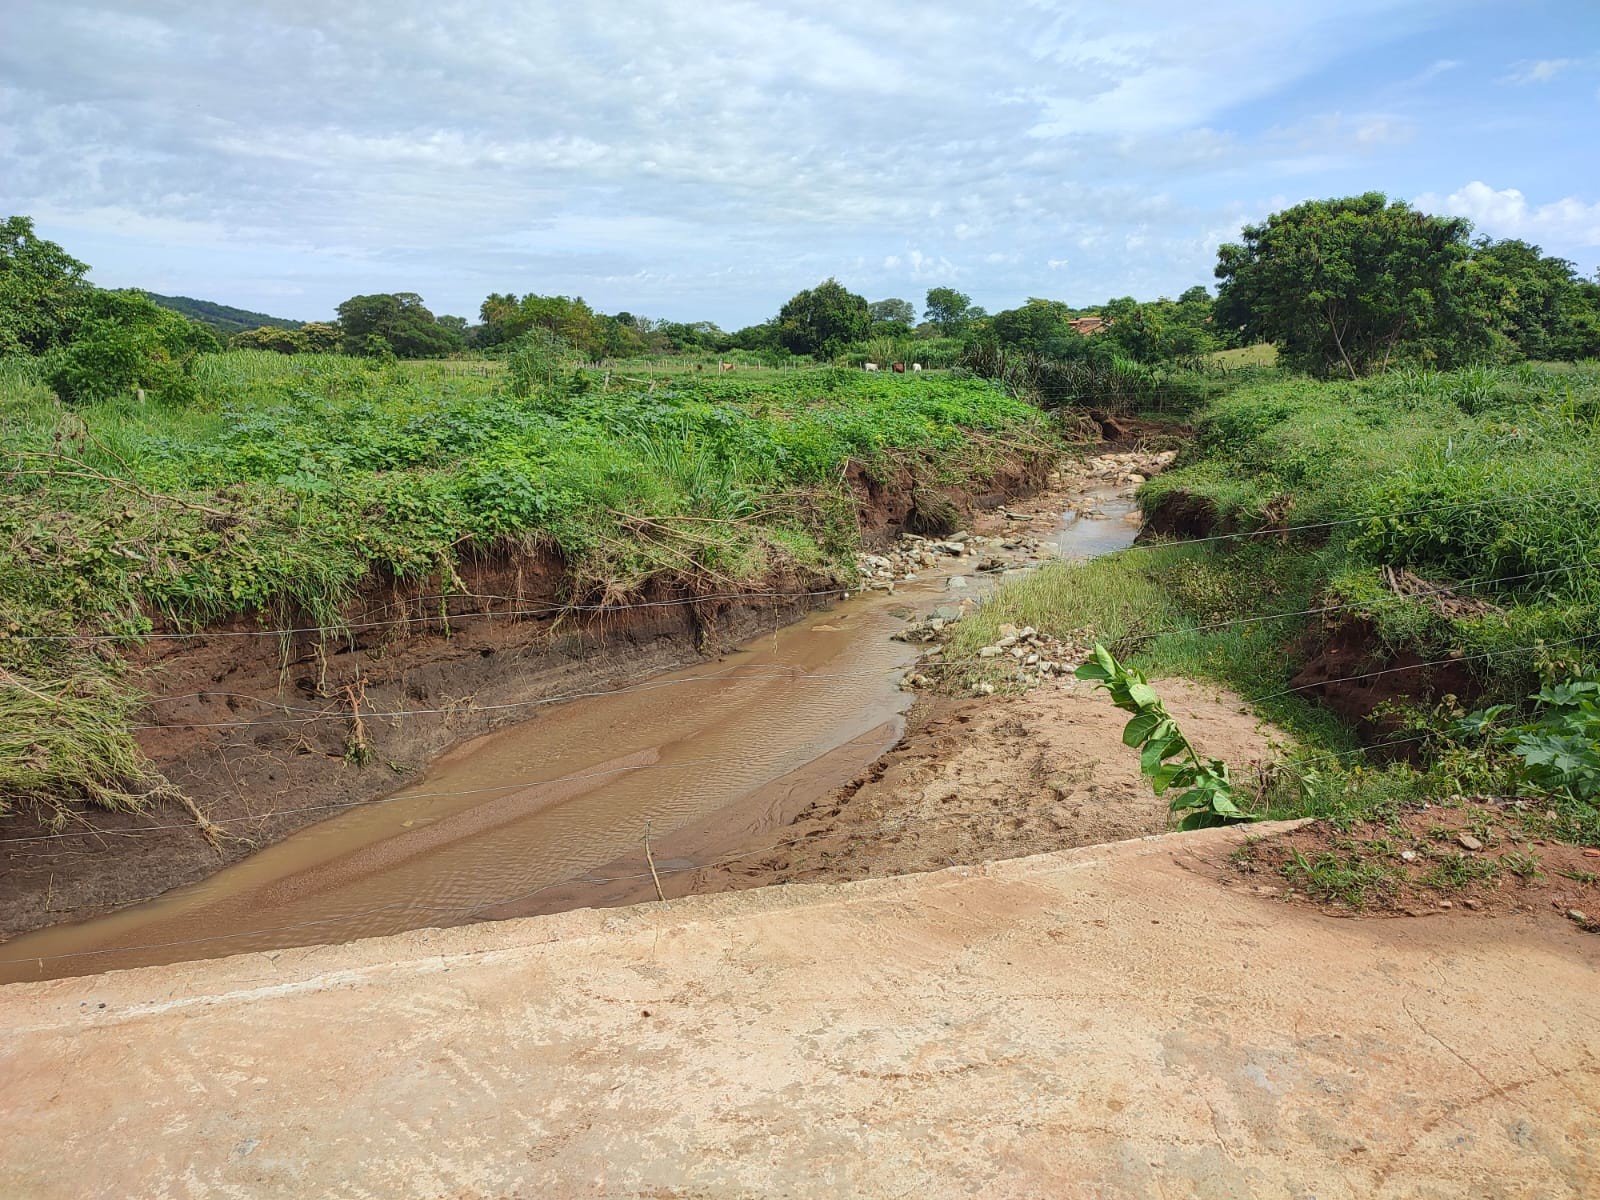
(1097, 1023)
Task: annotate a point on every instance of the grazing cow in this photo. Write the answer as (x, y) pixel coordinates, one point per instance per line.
(870, 366)
(898, 368)
(916, 366)
(726, 366)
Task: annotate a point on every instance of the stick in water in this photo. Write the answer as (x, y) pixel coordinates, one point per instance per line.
(650, 858)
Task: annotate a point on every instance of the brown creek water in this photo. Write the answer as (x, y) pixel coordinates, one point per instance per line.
(744, 742)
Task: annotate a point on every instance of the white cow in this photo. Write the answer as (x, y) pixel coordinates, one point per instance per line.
(871, 366)
(916, 366)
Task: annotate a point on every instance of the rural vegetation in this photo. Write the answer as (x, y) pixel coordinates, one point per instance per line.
(1410, 482)
(291, 483)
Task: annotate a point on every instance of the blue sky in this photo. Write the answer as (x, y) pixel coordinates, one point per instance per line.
(707, 160)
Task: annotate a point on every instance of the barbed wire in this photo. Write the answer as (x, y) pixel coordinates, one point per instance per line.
(1283, 531)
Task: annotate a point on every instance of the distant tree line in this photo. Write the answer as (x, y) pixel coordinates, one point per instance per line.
(1344, 286)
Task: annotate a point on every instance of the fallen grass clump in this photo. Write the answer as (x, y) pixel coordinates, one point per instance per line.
(297, 481)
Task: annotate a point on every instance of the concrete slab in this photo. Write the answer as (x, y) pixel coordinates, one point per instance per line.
(1099, 1023)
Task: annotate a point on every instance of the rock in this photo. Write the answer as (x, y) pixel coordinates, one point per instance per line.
(1408, 856)
(1474, 905)
(1446, 904)
(1469, 842)
(990, 652)
(1007, 630)
(959, 538)
(956, 583)
(1135, 478)
(947, 612)
(985, 689)
(1578, 915)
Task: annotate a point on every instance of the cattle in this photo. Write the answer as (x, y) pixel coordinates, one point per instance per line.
(726, 366)
(869, 366)
(916, 366)
(898, 368)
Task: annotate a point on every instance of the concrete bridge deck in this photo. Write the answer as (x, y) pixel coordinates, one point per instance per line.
(1102, 1022)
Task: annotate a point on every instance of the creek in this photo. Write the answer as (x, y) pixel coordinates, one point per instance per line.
(539, 808)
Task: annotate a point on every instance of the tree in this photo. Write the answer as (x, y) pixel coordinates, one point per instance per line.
(1160, 330)
(120, 342)
(397, 322)
(314, 337)
(823, 320)
(1349, 285)
(893, 312)
(40, 287)
(950, 311)
(1534, 305)
(1040, 327)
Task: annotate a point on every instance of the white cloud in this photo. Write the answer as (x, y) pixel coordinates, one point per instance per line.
(698, 160)
(1507, 213)
(1541, 70)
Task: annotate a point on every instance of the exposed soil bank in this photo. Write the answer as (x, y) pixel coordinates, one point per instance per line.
(259, 732)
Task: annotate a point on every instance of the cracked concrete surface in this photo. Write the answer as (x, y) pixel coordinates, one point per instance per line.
(1101, 1022)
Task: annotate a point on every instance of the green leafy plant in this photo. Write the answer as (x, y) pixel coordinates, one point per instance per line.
(1165, 755)
(1559, 747)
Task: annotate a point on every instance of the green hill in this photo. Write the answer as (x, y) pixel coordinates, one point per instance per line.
(223, 318)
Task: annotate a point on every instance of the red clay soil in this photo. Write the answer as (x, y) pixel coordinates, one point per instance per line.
(1470, 857)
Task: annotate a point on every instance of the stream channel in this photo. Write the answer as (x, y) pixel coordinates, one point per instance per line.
(743, 743)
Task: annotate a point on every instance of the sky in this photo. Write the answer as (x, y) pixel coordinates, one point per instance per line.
(706, 160)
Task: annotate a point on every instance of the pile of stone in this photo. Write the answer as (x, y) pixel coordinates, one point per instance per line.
(1030, 658)
(910, 554)
(1126, 470)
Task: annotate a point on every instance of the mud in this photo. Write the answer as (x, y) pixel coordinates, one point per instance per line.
(971, 781)
(260, 731)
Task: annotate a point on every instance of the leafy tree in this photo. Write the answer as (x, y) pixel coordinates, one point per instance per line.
(1160, 330)
(1349, 285)
(120, 342)
(397, 321)
(1039, 327)
(319, 337)
(823, 320)
(950, 311)
(314, 337)
(269, 337)
(41, 286)
(1534, 305)
(893, 312)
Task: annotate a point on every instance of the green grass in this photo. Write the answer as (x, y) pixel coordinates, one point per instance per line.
(1487, 479)
(1262, 354)
(300, 480)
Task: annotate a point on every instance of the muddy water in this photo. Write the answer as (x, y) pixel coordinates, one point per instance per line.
(741, 743)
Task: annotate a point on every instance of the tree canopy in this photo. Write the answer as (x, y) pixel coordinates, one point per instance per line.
(823, 320)
(1349, 285)
(893, 312)
(395, 323)
(40, 287)
(949, 311)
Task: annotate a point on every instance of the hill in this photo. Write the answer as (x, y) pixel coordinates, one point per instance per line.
(223, 318)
